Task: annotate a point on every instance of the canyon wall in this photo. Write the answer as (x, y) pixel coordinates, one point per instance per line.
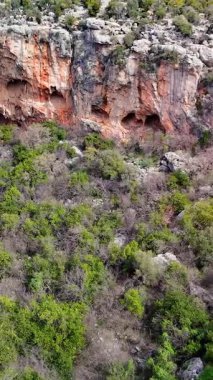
(84, 77)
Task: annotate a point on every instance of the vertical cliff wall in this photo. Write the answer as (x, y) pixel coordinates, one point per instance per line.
(51, 74)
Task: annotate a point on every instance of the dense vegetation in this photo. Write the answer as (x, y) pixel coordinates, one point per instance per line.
(79, 229)
(185, 13)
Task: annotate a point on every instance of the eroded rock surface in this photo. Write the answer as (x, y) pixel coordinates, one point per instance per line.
(50, 73)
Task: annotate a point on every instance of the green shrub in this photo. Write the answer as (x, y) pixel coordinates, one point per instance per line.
(44, 273)
(160, 11)
(94, 275)
(133, 301)
(11, 202)
(147, 268)
(121, 371)
(110, 164)
(132, 9)
(205, 139)
(56, 132)
(178, 179)
(105, 227)
(116, 9)
(183, 319)
(191, 15)
(93, 6)
(179, 201)
(162, 365)
(98, 142)
(6, 133)
(176, 276)
(5, 261)
(69, 20)
(207, 373)
(129, 39)
(79, 179)
(29, 374)
(118, 55)
(183, 25)
(76, 215)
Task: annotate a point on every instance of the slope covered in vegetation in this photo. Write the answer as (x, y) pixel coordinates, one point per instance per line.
(84, 292)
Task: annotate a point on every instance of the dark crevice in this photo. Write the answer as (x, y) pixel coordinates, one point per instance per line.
(12, 83)
(153, 121)
(131, 121)
(99, 112)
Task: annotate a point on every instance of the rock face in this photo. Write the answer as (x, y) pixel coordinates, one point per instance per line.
(191, 369)
(49, 73)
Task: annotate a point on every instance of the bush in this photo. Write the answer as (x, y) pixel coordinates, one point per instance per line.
(29, 374)
(133, 302)
(118, 55)
(109, 164)
(191, 15)
(116, 9)
(183, 25)
(5, 261)
(104, 228)
(120, 371)
(69, 21)
(207, 373)
(160, 11)
(79, 179)
(205, 139)
(162, 365)
(6, 133)
(176, 276)
(98, 142)
(132, 9)
(129, 39)
(93, 6)
(178, 179)
(183, 319)
(179, 201)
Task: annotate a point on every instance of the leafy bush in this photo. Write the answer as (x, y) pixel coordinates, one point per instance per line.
(56, 328)
(178, 179)
(191, 15)
(93, 6)
(179, 201)
(6, 132)
(162, 365)
(120, 371)
(94, 275)
(69, 20)
(207, 373)
(79, 179)
(110, 164)
(160, 11)
(97, 141)
(183, 25)
(104, 228)
(116, 9)
(5, 261)
(118, 55)
(205, 139)
(29, 374)
(183, 319)
(129, 39)
(56, 132)
(132, 9)
(133, 302)
(176, 276)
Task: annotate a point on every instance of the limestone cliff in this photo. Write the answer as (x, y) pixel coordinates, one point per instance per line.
(76, 78)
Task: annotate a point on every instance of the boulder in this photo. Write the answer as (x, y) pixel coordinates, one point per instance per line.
(163, 260)
(141, 46)
(191, 369)
(172, 161)
(206, 55)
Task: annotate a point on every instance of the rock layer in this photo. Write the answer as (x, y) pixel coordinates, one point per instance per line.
(53, 74)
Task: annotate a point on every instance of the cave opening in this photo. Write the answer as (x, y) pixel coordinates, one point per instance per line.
(14, 83)
(99, 112)
(57, 99)
(153, 121)
(131, 121)
(3, 119)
